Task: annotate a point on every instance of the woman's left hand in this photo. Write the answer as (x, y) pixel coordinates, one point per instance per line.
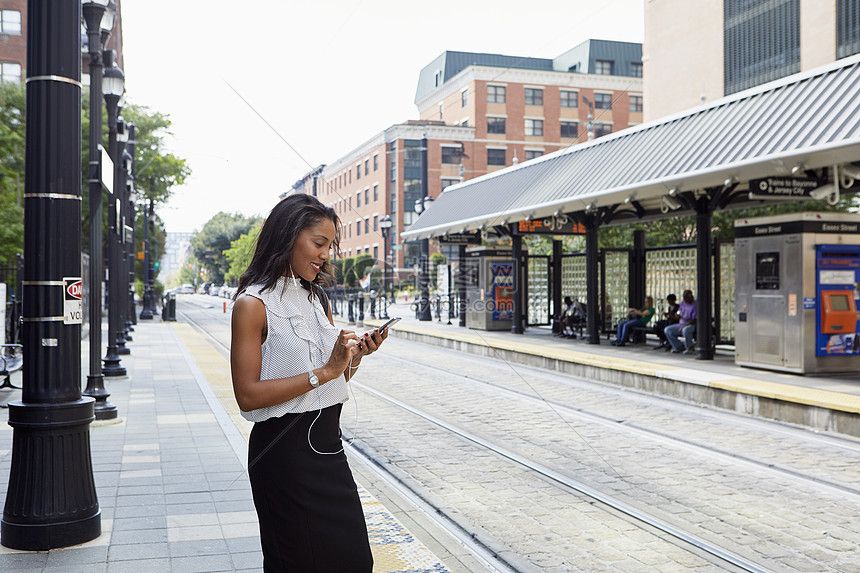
(370, 342)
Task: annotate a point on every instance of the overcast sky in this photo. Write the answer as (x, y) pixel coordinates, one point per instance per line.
(327, 75)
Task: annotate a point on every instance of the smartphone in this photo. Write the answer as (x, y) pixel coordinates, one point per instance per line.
(391, 322)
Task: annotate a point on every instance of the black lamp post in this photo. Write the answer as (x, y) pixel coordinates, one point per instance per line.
(147, 312)
(99, 19)
(131, 195)
(385, 224)
(421, 205)
(125, 174)
(114, 86)
(51, 498)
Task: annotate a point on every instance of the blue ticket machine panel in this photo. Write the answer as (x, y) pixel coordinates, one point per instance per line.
(837, 289)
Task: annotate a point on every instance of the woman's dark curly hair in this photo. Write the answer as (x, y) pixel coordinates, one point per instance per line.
(277, 239)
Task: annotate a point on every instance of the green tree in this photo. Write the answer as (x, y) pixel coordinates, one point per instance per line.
(436, 259)
(215, 238)
(12, 103)
(240, 253)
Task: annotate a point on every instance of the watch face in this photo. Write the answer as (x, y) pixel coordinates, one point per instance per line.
(312, 378)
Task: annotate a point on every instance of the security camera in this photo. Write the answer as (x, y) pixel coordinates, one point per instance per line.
(828, 191)
(667, 203)
(851, 171)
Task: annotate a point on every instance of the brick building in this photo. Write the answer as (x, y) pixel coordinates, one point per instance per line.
(697, 52)
(477, 113)
(13, 41)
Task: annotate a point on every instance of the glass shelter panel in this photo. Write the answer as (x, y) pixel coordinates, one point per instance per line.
(538, 291)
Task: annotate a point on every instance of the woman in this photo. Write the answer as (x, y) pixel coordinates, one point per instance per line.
(290, 368)
(636, 318)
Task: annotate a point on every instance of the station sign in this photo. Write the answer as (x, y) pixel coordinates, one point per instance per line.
(106, 169)
(562, 225)
(72, 300)
(473, 238)
(784, 187)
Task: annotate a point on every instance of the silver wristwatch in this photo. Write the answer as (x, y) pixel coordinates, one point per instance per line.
(312, 378)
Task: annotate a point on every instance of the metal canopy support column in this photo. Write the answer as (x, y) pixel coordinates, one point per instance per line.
(462, 282)
(704, 297)
(592, 333)
(636, 286)
(556, 279)
(519, 284)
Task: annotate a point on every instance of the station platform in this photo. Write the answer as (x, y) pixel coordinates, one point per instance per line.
(170, 472)
(829, 403)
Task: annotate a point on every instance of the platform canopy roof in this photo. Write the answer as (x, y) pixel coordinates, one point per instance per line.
(804, 122)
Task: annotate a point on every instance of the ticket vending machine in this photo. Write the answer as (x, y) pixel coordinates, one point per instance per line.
(490, 289)
(797, 287)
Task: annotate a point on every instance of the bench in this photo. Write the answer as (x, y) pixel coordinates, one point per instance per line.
(11, 360)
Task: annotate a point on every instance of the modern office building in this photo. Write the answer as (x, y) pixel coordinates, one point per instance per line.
(177, 249)
(478, 113)
(697, 52)
(13, 41)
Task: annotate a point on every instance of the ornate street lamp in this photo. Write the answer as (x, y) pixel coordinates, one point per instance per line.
(99, 19)
(114, 86)
(421, 205)
(51, 498)
(385, 224)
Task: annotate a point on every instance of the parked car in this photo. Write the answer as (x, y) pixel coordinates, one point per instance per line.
(187, 289)
(214, 289)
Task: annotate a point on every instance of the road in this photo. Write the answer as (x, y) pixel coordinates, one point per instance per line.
(547, 472)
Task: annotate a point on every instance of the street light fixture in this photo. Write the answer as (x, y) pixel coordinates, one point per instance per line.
(385, 224)
(113, 86)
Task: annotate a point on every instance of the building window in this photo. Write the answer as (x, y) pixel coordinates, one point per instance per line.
(451, 155)
(358, 228)
(761, 42)
(10, 72)
(534, 96)
(375, 162)
(358, 200)
(376, 222)
(367, 226)
(440, 111)
(532, 153)
(367, 196)
(464, 98)
(603, 67)
(495, 125)
(601, 129)
(366, 166)
(375, 193)
(349, 230)
(496, 156)
(569, 99)
(358, 172)
(603, 101)
(375, 253)
(569, 129)
(10, 23)
(636, 103)
(636, 69)
(847, 28)
(465, 123)
(448, 182)
(534, 127)
(495, 94)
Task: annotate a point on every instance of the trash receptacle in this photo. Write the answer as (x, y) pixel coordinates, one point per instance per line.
(168, 307)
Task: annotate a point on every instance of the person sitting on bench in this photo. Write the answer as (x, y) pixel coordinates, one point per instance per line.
(670, 317)
(636, 318)
(686, 326)
(572, 315)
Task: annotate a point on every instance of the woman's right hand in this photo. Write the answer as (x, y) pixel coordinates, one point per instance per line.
(344, 349)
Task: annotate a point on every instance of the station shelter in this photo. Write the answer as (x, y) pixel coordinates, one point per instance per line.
(794, 138)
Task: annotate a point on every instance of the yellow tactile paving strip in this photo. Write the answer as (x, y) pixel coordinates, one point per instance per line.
(394, 547)
(774, 390)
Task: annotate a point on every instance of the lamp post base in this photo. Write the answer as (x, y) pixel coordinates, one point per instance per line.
(112, 365)
(95, 389)
(51, 501)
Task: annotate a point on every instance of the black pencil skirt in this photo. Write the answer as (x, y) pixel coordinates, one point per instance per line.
(311, 518)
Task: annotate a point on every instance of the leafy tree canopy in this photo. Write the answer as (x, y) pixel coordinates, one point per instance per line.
(240, 253)
(215, 238)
